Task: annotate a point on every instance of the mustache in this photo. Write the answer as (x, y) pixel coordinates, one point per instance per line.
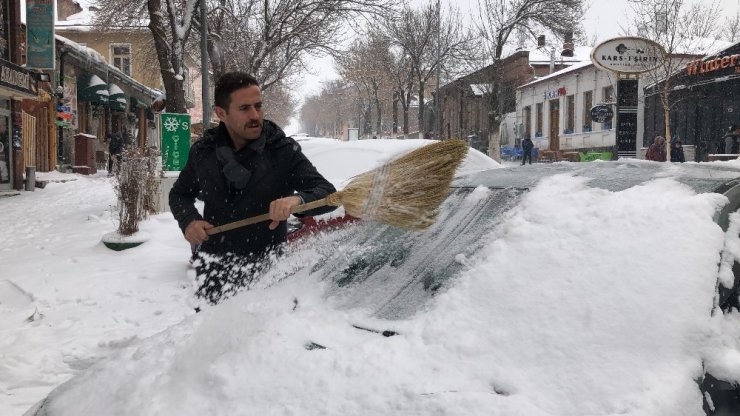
(251, 124)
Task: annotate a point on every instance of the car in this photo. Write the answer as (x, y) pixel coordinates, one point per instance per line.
(566, 288)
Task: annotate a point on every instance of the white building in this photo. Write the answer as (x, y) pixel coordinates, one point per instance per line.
(555, 110)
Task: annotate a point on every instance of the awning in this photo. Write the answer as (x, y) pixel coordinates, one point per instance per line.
(116, 98)
(93, 89)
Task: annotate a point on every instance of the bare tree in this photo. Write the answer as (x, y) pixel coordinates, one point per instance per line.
(268, 39)
(366, 65)
(170, 23)
(731, 28)
(498, 20)
(684, 31)
(273, 39)
(417, 32)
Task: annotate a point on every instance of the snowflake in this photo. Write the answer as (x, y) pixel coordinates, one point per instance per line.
(171, 124)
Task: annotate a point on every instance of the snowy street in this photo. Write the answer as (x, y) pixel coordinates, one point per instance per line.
(83, 300)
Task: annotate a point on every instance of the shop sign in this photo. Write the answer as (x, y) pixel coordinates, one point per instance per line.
(601, 113)
(630, 55)
(17, 78)
(175, 133)
(40, 34)
(560, 92)
(712, 65)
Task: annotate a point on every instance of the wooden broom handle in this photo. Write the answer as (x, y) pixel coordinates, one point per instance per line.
(265, 217)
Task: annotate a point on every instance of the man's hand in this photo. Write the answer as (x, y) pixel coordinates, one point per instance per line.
(280, 209)
(196, 232)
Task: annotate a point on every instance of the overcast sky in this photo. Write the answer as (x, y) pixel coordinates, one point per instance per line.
(603, 18)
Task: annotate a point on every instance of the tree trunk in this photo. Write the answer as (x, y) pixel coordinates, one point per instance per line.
(395, 113)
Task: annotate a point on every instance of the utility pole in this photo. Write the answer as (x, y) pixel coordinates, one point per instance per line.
(436, 94)
(204, 65)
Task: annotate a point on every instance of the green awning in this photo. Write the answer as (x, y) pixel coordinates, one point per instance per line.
(117, 98)
(93, 89)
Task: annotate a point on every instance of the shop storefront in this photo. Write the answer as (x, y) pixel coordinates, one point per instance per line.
(16, 83)
(705, 101)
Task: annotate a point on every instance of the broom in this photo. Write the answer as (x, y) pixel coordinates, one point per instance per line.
(406, 192)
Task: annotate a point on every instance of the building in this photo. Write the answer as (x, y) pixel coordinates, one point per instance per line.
(19, 90)
(129, 52)
(555, 110)
(467, 103)
(705, 99)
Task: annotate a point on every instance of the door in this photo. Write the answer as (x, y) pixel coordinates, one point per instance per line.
(554, 126)
(6, 165)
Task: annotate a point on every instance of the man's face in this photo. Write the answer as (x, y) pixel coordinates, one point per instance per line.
(244, 117)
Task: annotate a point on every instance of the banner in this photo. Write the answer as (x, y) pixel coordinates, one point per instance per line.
(175, 135)
(40, 34)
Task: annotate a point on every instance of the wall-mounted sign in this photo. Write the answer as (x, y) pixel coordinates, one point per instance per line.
(560, 92)
(601, 113)
(40, 34)
(17, 79)
(715, 64)
(629, 55)
(175, 135)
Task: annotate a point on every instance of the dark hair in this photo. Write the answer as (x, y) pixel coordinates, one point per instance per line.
(228, 83)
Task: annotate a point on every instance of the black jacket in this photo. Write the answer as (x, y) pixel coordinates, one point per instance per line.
(527, 145)
(278, 171)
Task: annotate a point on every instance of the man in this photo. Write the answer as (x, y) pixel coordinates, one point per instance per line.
(527, 146)
(115, 148)
(732, 139)
(245, 166)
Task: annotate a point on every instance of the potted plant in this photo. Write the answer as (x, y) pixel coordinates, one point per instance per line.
(136, 188)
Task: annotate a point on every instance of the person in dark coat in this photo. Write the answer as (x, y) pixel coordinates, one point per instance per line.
(677, 151)
(732, 139)
(657, 151)
(527, 146)
(115, 148)
(243, 167)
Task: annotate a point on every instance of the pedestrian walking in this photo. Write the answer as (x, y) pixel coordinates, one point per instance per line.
(245, 166)
(677, 154)
(657, 151)
(527, 146)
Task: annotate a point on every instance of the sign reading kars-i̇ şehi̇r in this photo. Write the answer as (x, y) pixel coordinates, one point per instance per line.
(630, 55)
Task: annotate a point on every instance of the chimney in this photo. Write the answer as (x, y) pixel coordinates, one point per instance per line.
(541, 41)
(568, 45)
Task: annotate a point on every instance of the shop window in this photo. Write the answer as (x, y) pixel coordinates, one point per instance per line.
(570, 108)
(538, 121)
(587, 104)
(607, 94)
(120, 54)
(527, 115)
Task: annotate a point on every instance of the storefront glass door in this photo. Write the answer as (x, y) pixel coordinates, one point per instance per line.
(5, 141)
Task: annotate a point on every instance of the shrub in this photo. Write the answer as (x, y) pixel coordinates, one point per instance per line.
(136, 188)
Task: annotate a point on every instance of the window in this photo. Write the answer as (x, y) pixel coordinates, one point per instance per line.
(538, 122)
(607, 94)
(120, 56)
(588, 102)
(570, 108)
(527, 115)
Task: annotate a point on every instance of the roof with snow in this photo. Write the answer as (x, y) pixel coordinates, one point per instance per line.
(573, 68)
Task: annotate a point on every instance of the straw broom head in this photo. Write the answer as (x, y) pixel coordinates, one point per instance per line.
(407, 191)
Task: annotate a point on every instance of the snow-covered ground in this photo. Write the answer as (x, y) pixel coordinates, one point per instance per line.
(593, 311)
